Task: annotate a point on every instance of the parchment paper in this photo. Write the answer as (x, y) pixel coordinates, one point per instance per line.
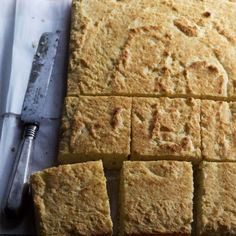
(7, 18)
(32, 18)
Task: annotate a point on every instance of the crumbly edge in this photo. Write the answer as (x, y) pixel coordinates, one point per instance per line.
(37, 214)
(109, 207)
(133, 95)
(201, 133)
(121, 203)
(192, 159)
(199, 192)
(37, 218)
(116, 162)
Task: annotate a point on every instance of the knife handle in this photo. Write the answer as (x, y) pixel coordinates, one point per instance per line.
(18, 187)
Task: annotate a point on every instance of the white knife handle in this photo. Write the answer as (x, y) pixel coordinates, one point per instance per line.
(18, 187)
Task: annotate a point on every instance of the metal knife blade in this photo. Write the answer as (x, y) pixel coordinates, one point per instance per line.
(32, 108)
(40, 77)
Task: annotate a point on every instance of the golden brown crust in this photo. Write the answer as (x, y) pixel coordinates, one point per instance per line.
(96, 36)
(218, 130)
(166, 128)
(157, 198)
(217, 199)
(72, 200)
(131, 47)
(95, 127)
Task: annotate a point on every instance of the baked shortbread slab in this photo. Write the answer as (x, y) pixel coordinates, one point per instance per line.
(216, 199)
(218, 130)
(96, 128)
(166, 128)
(150, 48)
(72, 200)
(156, 198)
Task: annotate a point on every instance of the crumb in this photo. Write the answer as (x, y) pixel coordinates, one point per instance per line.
(206, 14)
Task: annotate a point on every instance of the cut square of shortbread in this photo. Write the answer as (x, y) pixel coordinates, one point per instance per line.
(153, 48)
(166, 128)
(96, 128)
(156, 198)
(218, 130)
(72, 200)
(216, 199)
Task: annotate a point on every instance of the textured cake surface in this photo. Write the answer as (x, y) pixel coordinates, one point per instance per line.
(149, 47)
(72, 200)
(94, 128)
(166, 128)
(218, 130)
(137, 71)
(216, 200)
(156, 198)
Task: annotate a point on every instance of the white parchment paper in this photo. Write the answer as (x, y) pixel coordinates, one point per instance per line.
(32, 18)
(7, 19)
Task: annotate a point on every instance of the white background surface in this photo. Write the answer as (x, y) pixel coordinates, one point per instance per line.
(32, 18)
(7, 19)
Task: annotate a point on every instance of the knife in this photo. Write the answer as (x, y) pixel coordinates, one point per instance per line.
(34, 101)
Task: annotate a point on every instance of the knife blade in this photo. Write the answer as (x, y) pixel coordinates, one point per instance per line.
(34, 101)
(40, 77)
